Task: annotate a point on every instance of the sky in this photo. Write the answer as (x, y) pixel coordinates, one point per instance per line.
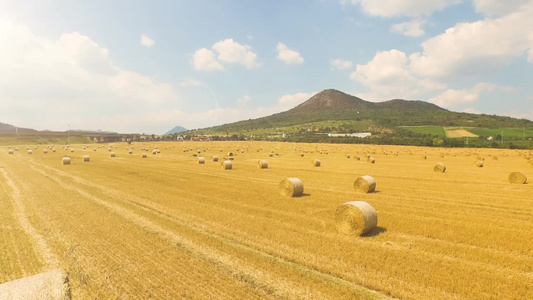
(135, 66)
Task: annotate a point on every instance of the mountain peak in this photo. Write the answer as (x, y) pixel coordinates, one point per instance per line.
(176, 129)
(331, 100)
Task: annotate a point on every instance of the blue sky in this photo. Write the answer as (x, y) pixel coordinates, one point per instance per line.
(146, 66)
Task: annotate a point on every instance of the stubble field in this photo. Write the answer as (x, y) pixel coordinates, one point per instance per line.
(167, 227)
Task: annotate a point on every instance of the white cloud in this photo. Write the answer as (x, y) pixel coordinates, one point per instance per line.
(340, 64)
(287, 55)
(530, 56)
(204, 60)
(470, 49)
(411, 28)
(147, 41)
(498, 7)
(291, 100)
(388, 76)
(452, 97)
(243, 100)
(233, 52)
(390, 8)
(49, 83)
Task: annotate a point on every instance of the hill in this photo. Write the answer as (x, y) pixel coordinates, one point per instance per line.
(332, 111)
(333, 105)
(176, 129)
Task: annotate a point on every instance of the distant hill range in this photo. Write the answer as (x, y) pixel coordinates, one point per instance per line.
(334, 105)
(176, 129)
(7, 127)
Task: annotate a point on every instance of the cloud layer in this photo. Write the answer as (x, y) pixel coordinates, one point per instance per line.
(228, 51)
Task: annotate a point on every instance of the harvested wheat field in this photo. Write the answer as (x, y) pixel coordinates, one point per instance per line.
(167, 227)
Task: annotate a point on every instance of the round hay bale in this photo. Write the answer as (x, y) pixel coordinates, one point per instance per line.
(86, 158)
(230, 153)
(154, 152)
(301, 154)
(517, 177)
(112, 154)
(45, 151)
(226, 165)
(94, 149)
(130, 152)
(316, 162)
(291, 187)
(440, 167)
(479, 164)
(355, 218)
(10, 151)
(144, 155)
(347, 155)
(201, 160)
(30, 151)
(72, 150)
(53, 150)
(66, 160)
(365, 184)
(371, 160)
(357, 157)
(262, 164)
(214, 158)
(271, 154)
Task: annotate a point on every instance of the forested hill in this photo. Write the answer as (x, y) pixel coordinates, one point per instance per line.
(334, 105)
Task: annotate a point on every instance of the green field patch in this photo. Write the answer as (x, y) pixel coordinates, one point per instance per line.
(431, 130)
(507, 132)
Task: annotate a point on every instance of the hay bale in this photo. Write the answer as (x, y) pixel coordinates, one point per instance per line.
(154, 152)
(440, 167)
(357, 157)
(214, 158)
(45, 151)
(365, 184)
(347, 155)
(144, 155)
(53, 150)
(230, 153)
(201, 160)
(371, 160)
(112, 154)
(86, 158)
(262, 164)
(291, 187)
(130, 152)
(316, 162)
(271, 154)
(10, 151)
(301, 154)
(424, 157)
(517, 177)
(479, 164)
(66, 160)
(355, 218)
(30, 151)
(72, 150)
(226, 165)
